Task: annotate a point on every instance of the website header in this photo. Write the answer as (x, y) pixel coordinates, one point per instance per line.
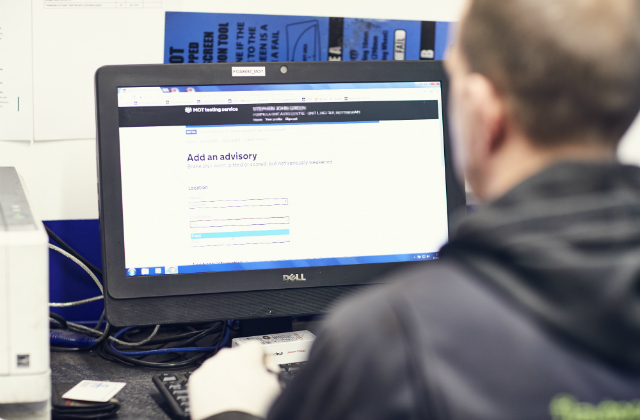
(253, 114)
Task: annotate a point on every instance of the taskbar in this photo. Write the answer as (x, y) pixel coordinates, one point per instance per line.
(269, 265)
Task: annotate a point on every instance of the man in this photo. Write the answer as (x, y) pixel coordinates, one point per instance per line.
(533, 312)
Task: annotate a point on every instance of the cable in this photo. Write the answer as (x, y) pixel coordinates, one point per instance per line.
(104, 312)
(59, 319)
(105, 351)
(69, 338)
(80, 263)
(60, 349)
(85, 268)
(71, 251)
(71, 326)
(76, 303)
(201, 335)
(104, 334)
(84, 329)
(198, 334)
(226, 326)
(162, 351)
(139, 343)
(173, 338)
(108, 351)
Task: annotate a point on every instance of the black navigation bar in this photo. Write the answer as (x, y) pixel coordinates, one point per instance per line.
(289, 113)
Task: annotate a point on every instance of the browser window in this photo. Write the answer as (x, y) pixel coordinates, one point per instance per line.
(225, 178)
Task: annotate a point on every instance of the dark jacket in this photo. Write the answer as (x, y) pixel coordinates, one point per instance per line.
(533, 312)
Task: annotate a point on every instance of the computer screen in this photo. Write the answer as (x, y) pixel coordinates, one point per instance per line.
(267, 189)
(253, 177)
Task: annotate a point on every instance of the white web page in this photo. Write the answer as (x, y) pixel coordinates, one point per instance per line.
(302, 191)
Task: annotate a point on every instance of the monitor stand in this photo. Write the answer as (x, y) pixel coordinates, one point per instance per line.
(265, 326)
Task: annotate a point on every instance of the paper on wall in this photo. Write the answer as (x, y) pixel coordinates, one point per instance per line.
(71, 40)
(16, 88)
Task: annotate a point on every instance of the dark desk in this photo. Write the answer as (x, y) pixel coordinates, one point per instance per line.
(139, 398)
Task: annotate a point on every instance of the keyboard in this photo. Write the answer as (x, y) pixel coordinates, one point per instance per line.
(173, 387)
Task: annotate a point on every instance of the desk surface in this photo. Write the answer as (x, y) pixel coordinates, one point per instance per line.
(139, 398)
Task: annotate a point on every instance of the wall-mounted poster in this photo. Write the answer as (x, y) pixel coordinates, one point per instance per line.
(231, 38)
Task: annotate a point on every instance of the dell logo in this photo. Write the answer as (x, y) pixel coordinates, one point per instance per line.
(187, 109)
(294, 277)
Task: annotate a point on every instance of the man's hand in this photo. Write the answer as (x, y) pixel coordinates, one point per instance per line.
(234, 380)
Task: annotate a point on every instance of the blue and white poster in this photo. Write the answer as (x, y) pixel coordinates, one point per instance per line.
(230, 38)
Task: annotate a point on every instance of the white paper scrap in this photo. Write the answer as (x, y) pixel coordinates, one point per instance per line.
(97, 391)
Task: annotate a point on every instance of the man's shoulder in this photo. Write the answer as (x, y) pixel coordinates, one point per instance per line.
(466, 342)
(416, 286)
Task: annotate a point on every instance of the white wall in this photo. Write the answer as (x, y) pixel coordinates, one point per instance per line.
(61, 175)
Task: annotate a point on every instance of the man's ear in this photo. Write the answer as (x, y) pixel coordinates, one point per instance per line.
(488, 108)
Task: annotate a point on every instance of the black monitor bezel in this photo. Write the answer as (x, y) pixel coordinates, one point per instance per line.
(118, 286)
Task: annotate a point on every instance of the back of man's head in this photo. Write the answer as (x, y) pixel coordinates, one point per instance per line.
(569, 69)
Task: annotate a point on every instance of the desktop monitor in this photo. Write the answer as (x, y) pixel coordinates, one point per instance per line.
(267, 190)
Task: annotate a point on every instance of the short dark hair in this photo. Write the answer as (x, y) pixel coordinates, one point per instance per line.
(568, 69)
